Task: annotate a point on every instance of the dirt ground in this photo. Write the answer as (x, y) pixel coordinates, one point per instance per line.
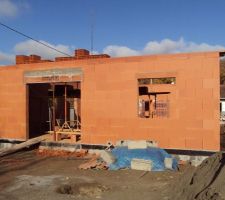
(25, 175)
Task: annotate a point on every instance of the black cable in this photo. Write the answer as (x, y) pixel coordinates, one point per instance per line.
(12, 29)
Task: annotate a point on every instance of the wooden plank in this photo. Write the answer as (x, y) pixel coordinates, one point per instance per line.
(20, 146)
(69, 132)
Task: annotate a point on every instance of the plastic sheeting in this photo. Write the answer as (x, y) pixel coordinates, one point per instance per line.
(124, 156)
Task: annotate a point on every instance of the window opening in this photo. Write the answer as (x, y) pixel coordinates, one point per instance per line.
(147, 81)
(153, 104)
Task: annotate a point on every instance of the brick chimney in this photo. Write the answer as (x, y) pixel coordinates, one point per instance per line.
(34, 58)
(81, 53)
(22, 59)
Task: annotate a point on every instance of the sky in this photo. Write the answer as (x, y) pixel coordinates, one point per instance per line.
(119, 27)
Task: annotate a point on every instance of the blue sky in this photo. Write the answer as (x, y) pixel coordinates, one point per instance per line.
(121, 27)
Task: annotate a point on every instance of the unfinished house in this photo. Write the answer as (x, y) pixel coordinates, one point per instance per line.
(94, 99)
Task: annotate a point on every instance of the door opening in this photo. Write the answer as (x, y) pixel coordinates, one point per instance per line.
(52, 107)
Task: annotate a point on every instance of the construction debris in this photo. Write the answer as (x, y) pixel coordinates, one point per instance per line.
(148, 159)
(81, 153)
(206, 182)
(108, 157)
(102, 160)
(155, 156)
(94, 163)
(20, 146)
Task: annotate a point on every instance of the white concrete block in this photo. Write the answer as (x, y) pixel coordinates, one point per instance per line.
(168, 162)
(200, 158)
(152, 143)
(122, 143)
(137, 144)
(197, 160)
(141, 164)
(108, 157)
(196, 163)
(184, 157)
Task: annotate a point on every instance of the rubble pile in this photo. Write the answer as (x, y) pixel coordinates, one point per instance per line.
(62, 153)
(148, 159)
(206, 182)
(95, 163)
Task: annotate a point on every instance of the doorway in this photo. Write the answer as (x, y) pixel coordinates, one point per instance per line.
(66, 106)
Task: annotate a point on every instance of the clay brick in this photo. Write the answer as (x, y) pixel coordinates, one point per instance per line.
(209, 124)
(81, 52)
(179, 142)
(110, 92)
(21, 59)
(194, 143)
(212, 143)
(209, 83)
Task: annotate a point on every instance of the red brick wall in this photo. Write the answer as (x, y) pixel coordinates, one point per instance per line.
(110, 96)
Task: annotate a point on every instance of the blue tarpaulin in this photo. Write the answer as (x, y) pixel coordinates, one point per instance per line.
(124, 156)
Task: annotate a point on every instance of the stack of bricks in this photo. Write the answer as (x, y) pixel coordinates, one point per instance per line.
(22, 59)
(100, 56)
(64, 58)
(34, 58)
(82, 54)
(79, 54)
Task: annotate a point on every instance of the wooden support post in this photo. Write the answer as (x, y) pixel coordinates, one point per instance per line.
(53, 112)
(65, 103)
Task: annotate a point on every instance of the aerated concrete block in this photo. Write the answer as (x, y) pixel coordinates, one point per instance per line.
(108, 157)
(197, 160)
(95, 151)
(196, 163)
(184, 157)
(141, 144)
(122, 143)
(168, 162)
(141, 164)
(151, 143)
(137, 144)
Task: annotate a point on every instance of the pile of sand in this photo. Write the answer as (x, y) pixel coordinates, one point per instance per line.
(206, 182)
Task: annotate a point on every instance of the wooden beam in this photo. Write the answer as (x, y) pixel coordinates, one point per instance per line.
(22, 145)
